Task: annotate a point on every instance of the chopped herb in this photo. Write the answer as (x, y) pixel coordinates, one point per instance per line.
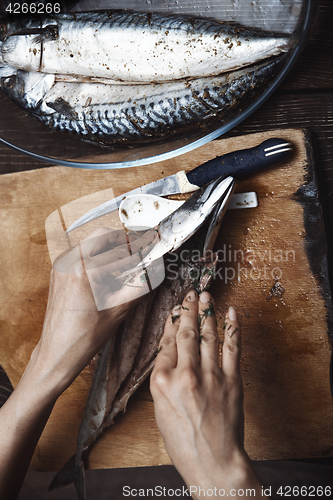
(224, 325)
(185, 308)
(210, 311)
(173, 318)
(235, 330)
(229, 327)
(208, 271)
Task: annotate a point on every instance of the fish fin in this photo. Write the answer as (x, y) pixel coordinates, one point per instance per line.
(71, 472)
(80, 481)
(64, 476)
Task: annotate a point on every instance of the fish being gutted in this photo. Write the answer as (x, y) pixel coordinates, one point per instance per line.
(132, 47)
(114, 364)
(115, 113)
(115, 382)
(127, 361)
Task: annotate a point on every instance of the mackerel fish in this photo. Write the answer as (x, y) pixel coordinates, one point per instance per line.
(105, 114)
(120, 372)
(127, 360)
(133, 47)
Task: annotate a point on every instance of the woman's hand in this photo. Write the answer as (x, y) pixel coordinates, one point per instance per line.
(87, 302)
(198, 404)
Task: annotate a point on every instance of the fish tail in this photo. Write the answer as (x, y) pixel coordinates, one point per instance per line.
(65, 476)
(71, 472)
(80, 481)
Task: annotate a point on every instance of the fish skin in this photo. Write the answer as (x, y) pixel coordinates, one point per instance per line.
(129, 356)
(134, 47)
(126, 377)
(168, 296)
(123, 113)
(93, 417)
(115, 362)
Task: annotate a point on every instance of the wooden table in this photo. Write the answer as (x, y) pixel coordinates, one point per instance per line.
(305, 99)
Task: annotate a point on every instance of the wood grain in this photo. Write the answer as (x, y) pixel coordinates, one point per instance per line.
(286, 349)
(314, 68)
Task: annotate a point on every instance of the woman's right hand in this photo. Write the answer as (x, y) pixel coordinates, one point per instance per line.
(198, 403)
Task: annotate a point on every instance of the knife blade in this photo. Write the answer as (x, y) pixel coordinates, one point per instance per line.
(238, 163)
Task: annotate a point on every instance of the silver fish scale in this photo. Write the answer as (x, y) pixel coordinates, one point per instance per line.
(163, 113)
(134, 47)
(141, 20)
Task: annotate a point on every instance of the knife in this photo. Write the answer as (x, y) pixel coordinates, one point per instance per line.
(239, 164)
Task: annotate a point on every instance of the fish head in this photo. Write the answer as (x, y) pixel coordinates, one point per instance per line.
(27, 88)
(10, 26)
(18, 25)
(21, 40)
(179, 226)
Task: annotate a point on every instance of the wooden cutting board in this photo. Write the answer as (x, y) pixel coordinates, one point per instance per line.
(273, 269)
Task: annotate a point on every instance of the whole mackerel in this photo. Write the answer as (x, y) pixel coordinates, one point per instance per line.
(133, 47)
(134, 113)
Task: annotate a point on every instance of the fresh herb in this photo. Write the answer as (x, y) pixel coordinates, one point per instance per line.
(210, 311)
(173, 318)
(235, 330)
(207, 271)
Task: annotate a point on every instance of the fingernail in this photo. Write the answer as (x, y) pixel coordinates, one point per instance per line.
(192, 295)
(232, 314)
(176, 310)
(205, 297)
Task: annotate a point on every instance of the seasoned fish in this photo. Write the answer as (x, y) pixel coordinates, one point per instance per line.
(146, 323)
(125, 364)
(133, 47)
(115, 362)
(106, 113)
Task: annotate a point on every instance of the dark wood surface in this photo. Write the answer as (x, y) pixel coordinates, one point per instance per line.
(305, 99)
(286, 347)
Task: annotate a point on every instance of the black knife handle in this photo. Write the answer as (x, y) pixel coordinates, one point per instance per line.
(242, 163)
